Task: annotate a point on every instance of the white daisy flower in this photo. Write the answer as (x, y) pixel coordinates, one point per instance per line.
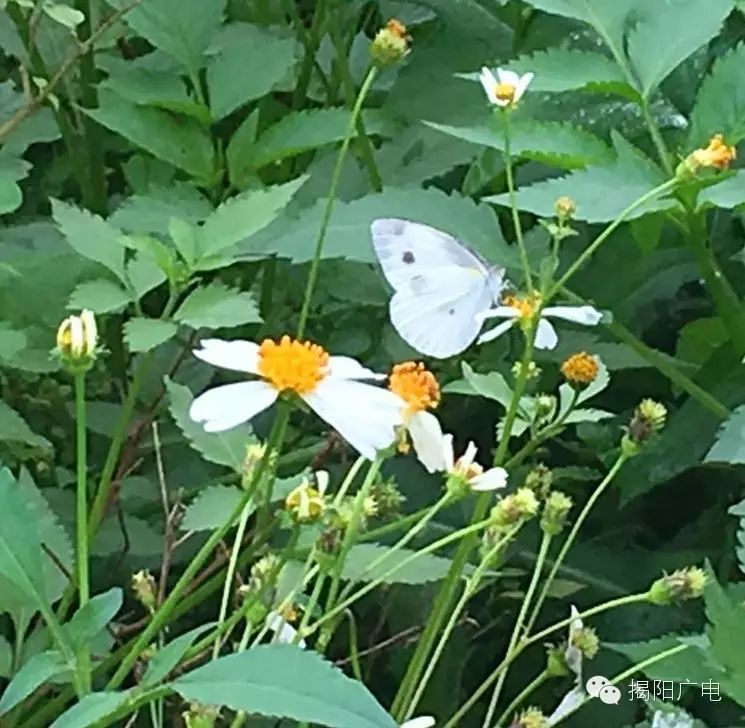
(507, 88)
(419, 390)
(424, 721)
(470, 472)
(364, 415)
(517, 310)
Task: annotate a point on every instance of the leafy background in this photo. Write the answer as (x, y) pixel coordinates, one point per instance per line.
(173, 183)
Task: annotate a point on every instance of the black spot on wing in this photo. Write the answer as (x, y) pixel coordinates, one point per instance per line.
(408, 257)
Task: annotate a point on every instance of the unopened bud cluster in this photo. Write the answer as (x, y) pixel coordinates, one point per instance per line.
(201, 716)
(555, 512)
(648, 419)
(530, 718)
(391, 44)
(77, 342)
(145, 589)
(679, 586)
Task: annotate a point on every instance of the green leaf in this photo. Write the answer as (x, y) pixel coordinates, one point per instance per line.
(730, 443)
(285, 681)
(168, 657)
(13, 428)
(224, 448)
(6, 658)
(739, 510)
(553, 143)
(243, 215)
(64, 14)
(564, 69)
(181, 28)
(685, 25)
(144, 274)
(93, 617)
(422, 568)
(241, 45)
(34, 673)
(143, 334)
(11, 196)
(90, 235)
(240, 149)
(630, 176)
(216, 306)
(100, 296)
(729, 193)
(300, 131)
(492, 385)
(720, 104)
(348, 234)
(181, 142)
(90, 709)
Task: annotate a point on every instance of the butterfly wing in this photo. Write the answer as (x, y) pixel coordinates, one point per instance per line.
(440, 285)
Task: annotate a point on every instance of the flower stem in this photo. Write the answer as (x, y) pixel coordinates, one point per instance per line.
(513, 200)
(81, 521)
(315, 262)
(533, 685)
(572, 536)
(517, 629)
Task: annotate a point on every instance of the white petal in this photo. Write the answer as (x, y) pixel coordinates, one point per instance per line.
(586, 315)
(495, 332)
(364, 415)
(344, 367)
(240, 356)
(469, 455)
(498, 312)
(508, 77)
(492, 479)
(426, 435)
(522, 85)
(447, 452)
(545, 335)
(424, 721)
(489, 84)
(569, 703)
(284, 632)
(221, 408)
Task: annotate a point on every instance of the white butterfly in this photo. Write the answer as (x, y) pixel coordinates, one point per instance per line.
(441, 285)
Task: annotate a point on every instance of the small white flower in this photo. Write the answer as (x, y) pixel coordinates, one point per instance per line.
(572, 654)
(424, 721)
(365, 415)
(507, 88)
(284, 632)
(545, 337)
(465, 467)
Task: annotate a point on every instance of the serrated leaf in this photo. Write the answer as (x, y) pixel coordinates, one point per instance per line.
(90, 709)
(224, 448)
(631, 176)
(348, 234)
(730, 443)
(300, 131)
(143, 334)
(13, 428)
(420, 569)
(243, 215)
(686, 25)
(180, 142)
(100, 296)
(728, 194)
(739, 510)
(39, 669)
(216, 306)
(144, 274)
(90, 235)
(242, 46)
(553, 143)
(284, 681)
(181, 28)
(720, 103)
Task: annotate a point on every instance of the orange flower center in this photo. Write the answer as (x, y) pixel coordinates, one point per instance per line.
(292, 365)
(397, 28)
(525, 307)
(416, 385)
(717, 154)
(580, 368)
(505, 92)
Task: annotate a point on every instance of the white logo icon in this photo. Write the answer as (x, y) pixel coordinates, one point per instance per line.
(600, 687)
(594, 684)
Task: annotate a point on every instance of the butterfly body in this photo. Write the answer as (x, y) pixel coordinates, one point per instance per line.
(440, 285)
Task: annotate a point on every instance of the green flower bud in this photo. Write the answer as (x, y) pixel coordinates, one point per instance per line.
(530, 718)
(145, 589)
(391, 44)
(679, 586)
(555, 513)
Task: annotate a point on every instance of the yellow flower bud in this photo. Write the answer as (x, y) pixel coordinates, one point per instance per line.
(391, 43)
(145, 589)
(77, 339)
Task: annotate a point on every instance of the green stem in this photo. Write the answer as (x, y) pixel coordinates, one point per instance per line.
(312, 41)
(161, 615)
(513, 200)
(315, 263)
(659, 142)
(592, 248)
(572, 536)
(517, 629)
(81, 521)
(531, 687)
(398, 525)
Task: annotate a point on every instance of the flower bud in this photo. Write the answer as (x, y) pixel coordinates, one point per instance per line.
(515, 508)
(539, 479)
(391, 44)
(306, 503)
(77, 339)
(201, 716)
(545, 407)
(648, 419)
(255, 452)
(565, 207)
(145, 589)
(679, 586)
(533, 370)
(580, 370)
(530, 718)
(717, 155)
(585, 639)
(556, 663)
(262, 575)
(387, 498)
(555, 513)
